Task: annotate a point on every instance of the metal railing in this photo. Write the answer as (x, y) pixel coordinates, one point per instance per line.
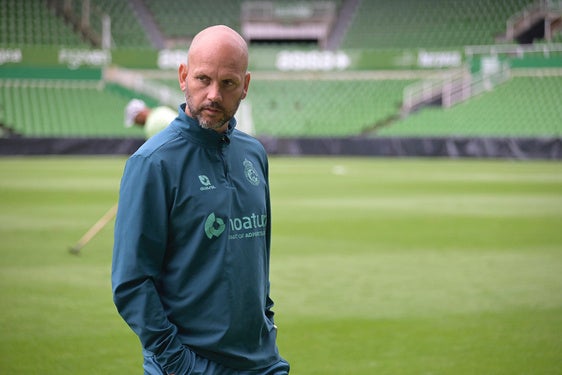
(518, 50)
(452, 88)
(136, 82)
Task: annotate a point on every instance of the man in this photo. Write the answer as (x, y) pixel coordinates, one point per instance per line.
(151, 119)
(192, 235)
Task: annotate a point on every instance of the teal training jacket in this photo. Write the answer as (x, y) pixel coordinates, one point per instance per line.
(190, 270)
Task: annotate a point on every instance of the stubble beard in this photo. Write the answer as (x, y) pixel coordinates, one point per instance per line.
(197, 113)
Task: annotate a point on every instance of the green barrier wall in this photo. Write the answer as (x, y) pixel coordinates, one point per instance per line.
(50, 72)
(261, 58)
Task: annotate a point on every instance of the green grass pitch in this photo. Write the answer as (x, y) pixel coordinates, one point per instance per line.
(379, 266)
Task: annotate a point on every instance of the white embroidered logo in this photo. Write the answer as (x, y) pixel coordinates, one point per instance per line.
(251, 173)
(206, 183)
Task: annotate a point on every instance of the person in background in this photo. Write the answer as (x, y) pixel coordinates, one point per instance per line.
(152, 120)
(190, 268)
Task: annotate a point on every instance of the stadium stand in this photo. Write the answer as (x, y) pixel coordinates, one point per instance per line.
(322, 107)
(183, 20)
(32, 22)
(180, 20)
(429, 23)
(319, 105)
(126, 30)
(64, 108)
(521, 107)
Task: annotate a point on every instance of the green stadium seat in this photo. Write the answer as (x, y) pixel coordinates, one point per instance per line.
(521, 107)
(63, 108)
(322, 108)
(426, 23)
(31, 22)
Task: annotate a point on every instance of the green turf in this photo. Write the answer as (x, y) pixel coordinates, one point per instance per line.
(379, 266)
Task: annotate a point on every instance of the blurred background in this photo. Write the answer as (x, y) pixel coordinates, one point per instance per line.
(428, 77)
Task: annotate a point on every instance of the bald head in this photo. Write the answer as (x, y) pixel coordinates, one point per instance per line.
(219, 39)
(215, 78)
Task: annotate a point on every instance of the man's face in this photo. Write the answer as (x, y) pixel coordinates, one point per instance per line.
(214, 83)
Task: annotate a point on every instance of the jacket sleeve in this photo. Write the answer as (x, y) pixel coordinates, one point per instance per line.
(268, 301)
(139, 248)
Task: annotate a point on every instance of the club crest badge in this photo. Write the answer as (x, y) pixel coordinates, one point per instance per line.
(251, 173)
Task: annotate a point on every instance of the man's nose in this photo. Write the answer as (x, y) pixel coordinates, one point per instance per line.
(214, 93)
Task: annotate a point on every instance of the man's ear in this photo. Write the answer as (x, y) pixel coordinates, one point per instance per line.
(182, 77)
(246, 84)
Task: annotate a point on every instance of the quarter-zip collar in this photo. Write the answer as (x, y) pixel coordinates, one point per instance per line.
(190, 127)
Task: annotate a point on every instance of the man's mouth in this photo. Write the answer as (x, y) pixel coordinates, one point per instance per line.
(213, 107)
(212, 111)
